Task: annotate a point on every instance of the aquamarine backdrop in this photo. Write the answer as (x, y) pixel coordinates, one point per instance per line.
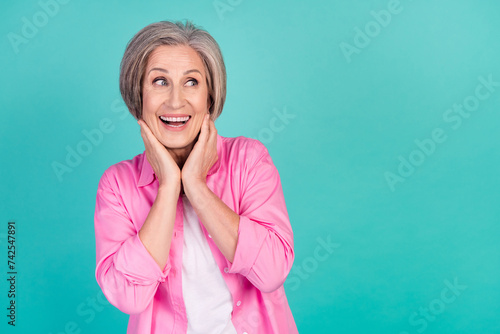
(382, 117)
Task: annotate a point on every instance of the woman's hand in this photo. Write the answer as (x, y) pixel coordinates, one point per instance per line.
(220, 221)
(166, 170)
(202, 157)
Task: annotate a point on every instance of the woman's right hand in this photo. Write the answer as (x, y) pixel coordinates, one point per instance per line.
(166, 170)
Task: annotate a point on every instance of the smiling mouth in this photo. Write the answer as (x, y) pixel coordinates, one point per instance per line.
(175, 122)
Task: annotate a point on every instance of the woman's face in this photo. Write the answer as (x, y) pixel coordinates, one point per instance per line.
(174, 95)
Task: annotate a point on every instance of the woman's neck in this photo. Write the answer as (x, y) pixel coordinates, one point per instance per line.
(180, 155)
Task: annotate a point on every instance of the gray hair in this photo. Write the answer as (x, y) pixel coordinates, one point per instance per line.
(139, 48)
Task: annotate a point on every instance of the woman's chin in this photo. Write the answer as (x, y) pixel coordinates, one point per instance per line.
(177, 140)
(177, 143)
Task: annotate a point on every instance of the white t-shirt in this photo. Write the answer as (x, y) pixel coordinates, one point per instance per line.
(206, 296)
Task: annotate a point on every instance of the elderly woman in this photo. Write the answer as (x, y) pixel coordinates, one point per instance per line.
(192, 235)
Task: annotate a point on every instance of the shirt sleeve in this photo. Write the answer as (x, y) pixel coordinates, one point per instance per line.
(126, 272)
(264, 251)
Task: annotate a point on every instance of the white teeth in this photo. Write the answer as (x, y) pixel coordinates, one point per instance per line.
(174, 119)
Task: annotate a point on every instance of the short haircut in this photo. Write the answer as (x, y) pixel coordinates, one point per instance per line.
(135, 59)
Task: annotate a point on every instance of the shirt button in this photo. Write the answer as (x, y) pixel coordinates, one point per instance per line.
(226, 270)
(210, 236)
(238, 303)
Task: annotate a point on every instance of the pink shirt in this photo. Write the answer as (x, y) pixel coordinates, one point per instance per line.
(245, 179)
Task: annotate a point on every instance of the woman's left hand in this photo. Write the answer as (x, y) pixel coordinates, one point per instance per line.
(202, 157)
(220, 221)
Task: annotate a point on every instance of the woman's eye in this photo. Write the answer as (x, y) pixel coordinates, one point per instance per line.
(192, 82)
(160, 81)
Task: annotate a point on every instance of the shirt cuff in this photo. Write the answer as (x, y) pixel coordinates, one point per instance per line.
(251, 236)
(137, 265)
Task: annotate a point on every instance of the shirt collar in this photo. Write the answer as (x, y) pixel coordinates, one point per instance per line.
(147, 175)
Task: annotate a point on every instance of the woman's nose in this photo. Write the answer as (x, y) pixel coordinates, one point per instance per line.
(175, 99)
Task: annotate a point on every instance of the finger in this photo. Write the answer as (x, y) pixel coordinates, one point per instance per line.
(144, 127)
(213, 130)
(143, 132)
(212, 138)
(151, 138)
(142, 124)
(149, 143)
(205, 129)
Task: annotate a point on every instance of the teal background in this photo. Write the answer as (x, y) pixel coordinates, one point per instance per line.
(395, 249)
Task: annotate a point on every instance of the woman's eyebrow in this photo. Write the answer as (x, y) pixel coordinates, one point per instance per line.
(190, 71)
(166, 71)
(158, 69)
